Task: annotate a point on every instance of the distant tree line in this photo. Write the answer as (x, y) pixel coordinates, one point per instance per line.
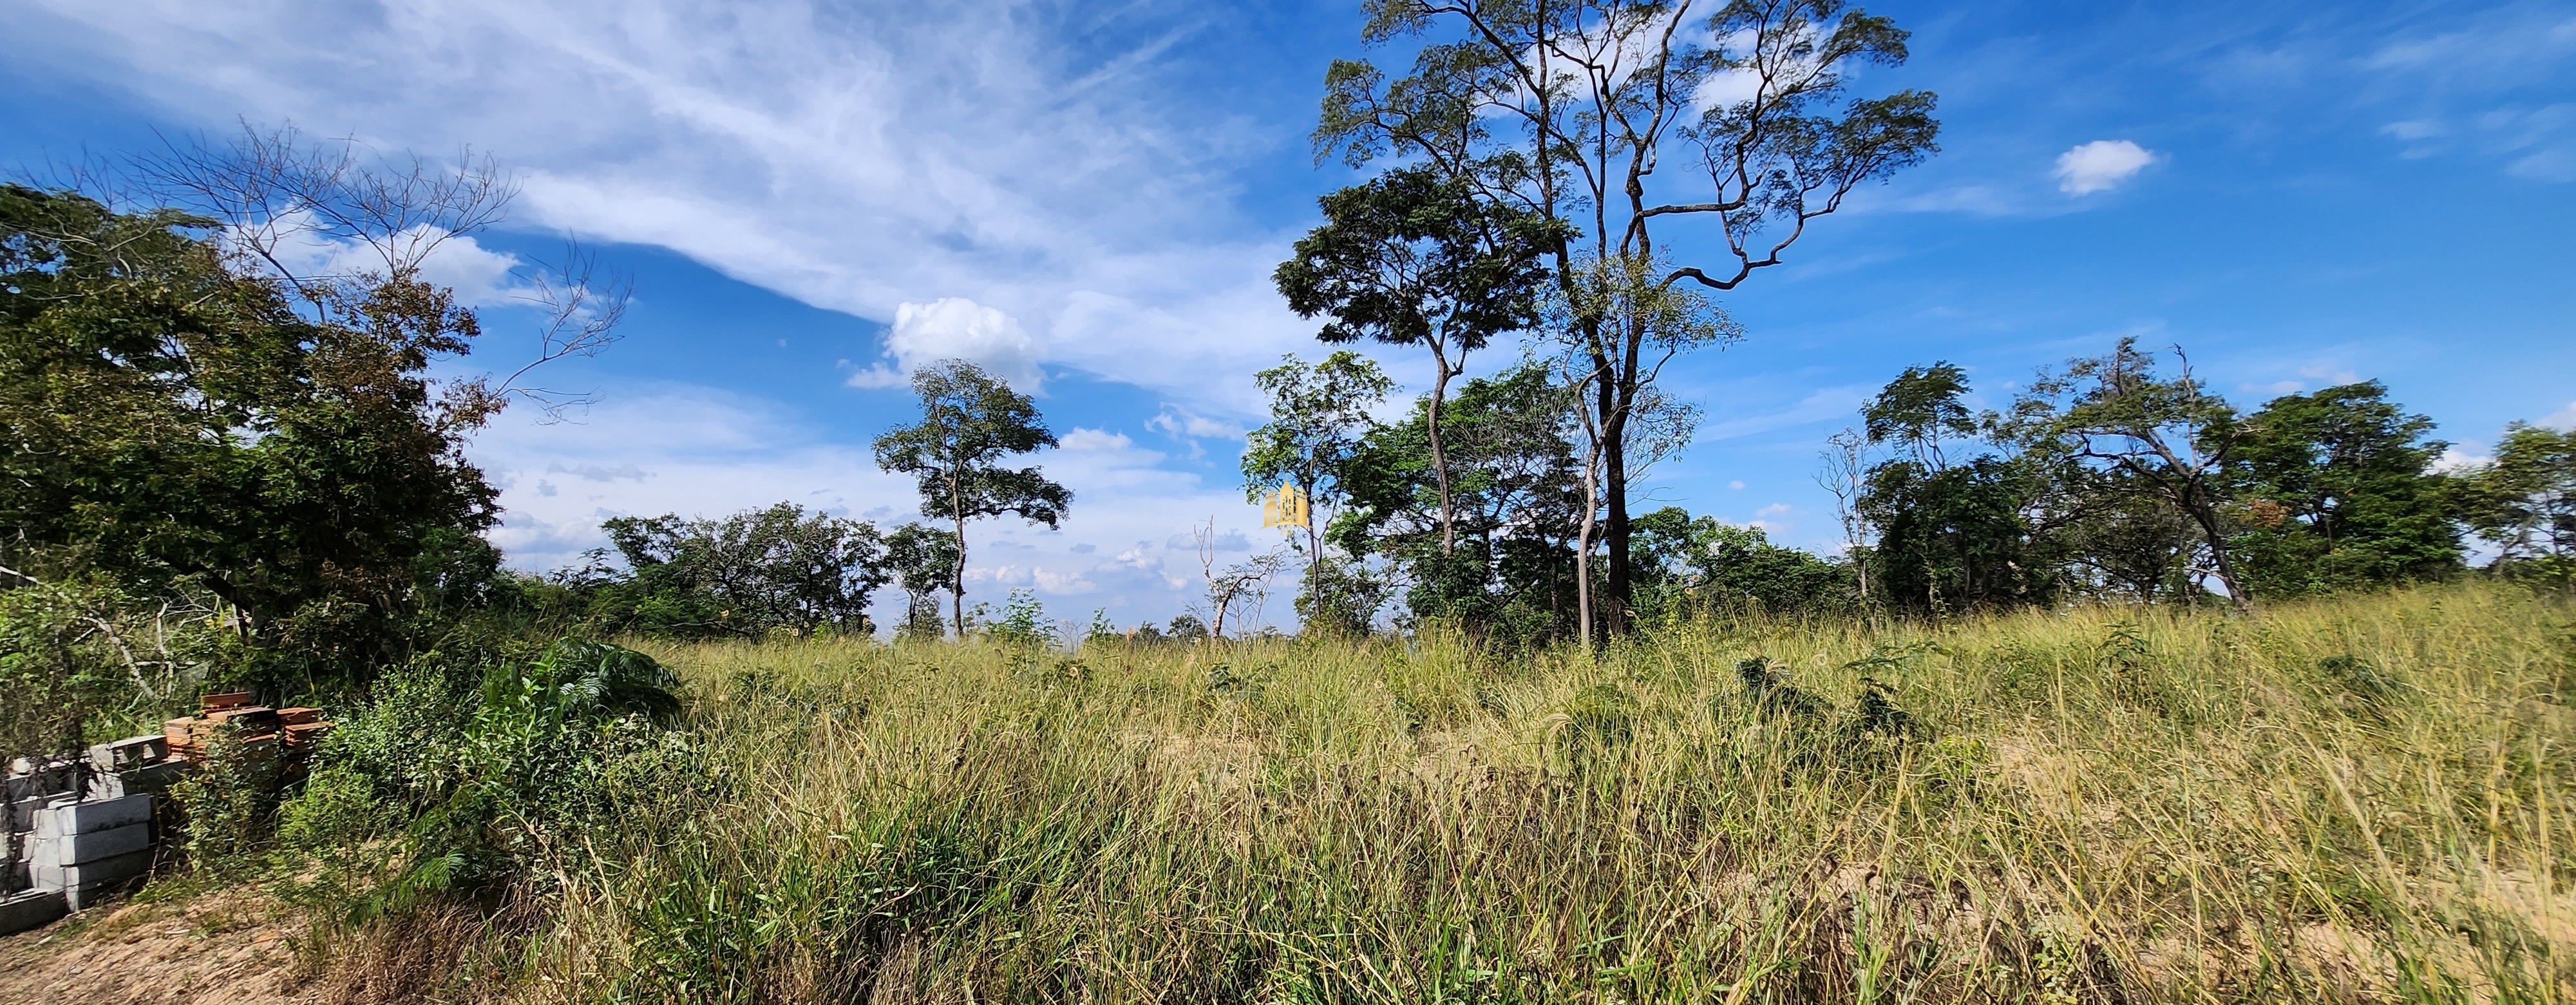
(2118, 478)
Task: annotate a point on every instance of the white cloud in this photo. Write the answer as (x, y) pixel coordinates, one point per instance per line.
(957, 328)
(2563, 419)
(2461, 457)
(2469, 87)
(1817, 406)
(1177, 422)
(2414, 129)
(2502, 47)
(1737, 485)
(480, 276)
(855, 158)
(1081, 439)
(2100, 165)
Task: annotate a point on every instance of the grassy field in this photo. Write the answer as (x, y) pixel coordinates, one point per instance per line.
(2366, 799)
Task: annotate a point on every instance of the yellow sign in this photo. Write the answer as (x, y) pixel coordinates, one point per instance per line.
(1285, 506)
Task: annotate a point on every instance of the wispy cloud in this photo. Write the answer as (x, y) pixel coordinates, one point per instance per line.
(1817, 406)
(959, 158)
(2486, 84)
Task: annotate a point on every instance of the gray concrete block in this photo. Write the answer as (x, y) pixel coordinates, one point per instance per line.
(90, 815)
(91, 874)
(151, 778)
(82, 898)
(22, 911)
(74, 849)
(131, 752)
(84, 816)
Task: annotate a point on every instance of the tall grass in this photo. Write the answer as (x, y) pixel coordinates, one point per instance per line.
(2366, 799)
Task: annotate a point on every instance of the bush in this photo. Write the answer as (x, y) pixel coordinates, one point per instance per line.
(487, 781)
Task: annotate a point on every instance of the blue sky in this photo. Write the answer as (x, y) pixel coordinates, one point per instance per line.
(1091, 196)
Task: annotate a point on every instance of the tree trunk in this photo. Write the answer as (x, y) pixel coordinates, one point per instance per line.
(1614, 492)
(1314, 560)
(957, 576)
(1583, 600)
(2207, 517)
(1440, 459)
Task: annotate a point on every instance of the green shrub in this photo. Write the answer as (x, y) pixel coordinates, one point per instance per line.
(484, 781)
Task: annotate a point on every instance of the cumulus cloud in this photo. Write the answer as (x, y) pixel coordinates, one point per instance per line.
(957, 328)
(2100, 165)
(2461, 457)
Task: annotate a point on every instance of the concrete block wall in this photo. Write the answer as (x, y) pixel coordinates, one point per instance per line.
(79, 830)
(91, 849)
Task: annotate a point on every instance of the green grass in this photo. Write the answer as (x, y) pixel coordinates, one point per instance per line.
(2364, 799)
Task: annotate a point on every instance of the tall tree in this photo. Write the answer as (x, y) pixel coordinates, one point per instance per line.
(970, 424)
(1959, 538)
(1414, 258)
(2337, 490)
(2169, 434)
(1318, 414)
(1568, 110)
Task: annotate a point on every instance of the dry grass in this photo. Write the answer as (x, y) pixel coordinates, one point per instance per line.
(2364, 800)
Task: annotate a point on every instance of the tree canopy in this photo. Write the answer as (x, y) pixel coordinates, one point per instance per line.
(175, 423)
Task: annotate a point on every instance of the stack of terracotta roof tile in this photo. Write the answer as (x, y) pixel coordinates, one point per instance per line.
(301, 727)
(257, 728)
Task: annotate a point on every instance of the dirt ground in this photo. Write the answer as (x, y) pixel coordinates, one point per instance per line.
(214, 949)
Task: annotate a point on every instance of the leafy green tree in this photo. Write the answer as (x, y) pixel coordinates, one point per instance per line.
(1949, 537)
(923, 560)
(2335, 489)
(1688, 562)
(1567, 111)
(177, 425)
(58, 663)
(1413, 258)
(1958, 538)
(747, 574)
(970, 424)
(2166, 435)
(2121, 537)
(1516, 503)
(1918, 408)
(2525, 501)
(1318, 415)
